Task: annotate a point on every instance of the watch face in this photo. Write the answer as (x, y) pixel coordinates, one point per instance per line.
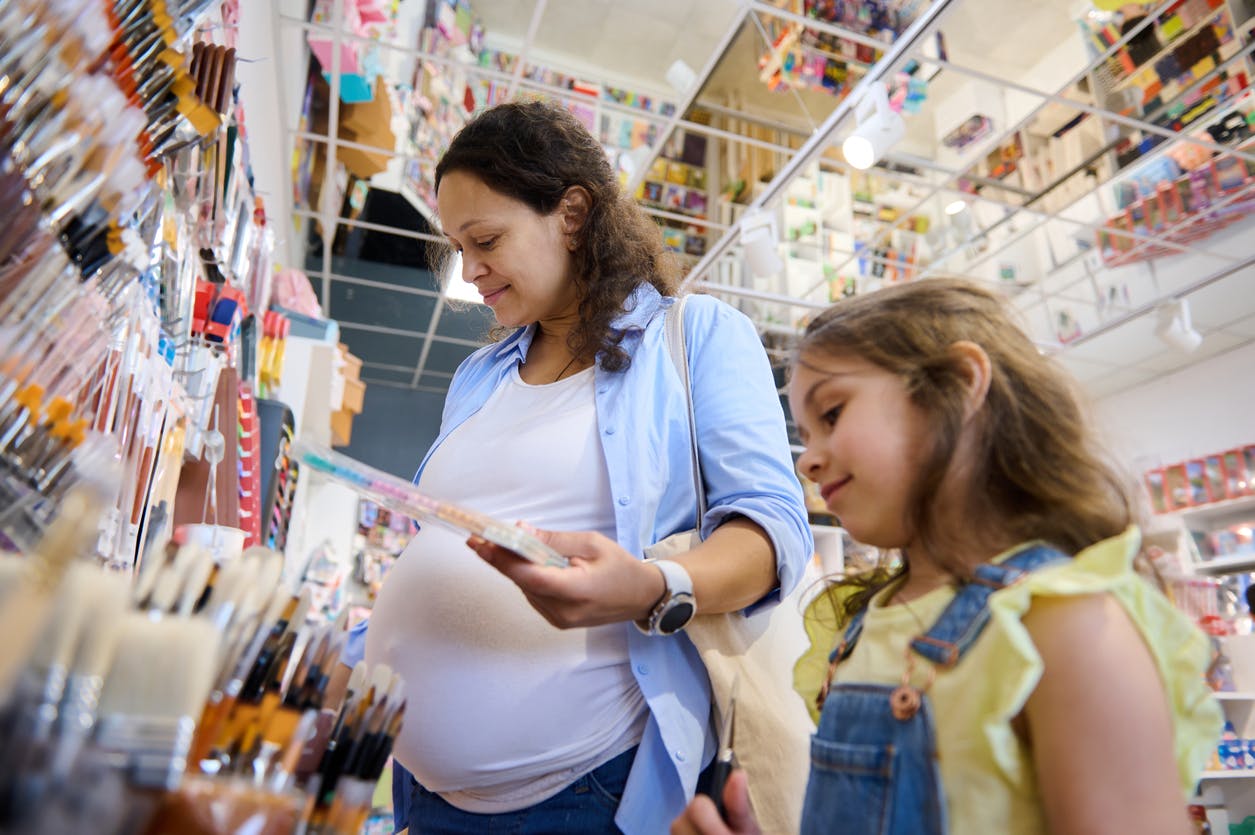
(677, 616)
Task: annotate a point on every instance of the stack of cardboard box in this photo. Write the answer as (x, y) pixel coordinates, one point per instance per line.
(351, 403)
(368, 123)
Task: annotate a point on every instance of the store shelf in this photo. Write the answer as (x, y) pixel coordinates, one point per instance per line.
(1234, 774)
(1235, 696)
(1169, 47)
(1207, 515)
(1234, 564)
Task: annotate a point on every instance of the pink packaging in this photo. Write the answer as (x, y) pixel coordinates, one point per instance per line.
(372, 11)
(293, 291)
(321, 44)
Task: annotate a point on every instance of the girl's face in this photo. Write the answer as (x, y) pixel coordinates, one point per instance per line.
(517, 259)
(863, 438)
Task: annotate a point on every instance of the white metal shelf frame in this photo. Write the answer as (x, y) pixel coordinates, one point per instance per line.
(816, 142)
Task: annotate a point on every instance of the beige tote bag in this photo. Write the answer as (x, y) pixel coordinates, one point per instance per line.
(773, 727)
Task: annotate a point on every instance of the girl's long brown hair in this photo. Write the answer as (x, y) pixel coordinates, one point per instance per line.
(1035, 466)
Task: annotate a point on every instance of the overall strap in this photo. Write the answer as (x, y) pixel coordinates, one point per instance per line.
(852, 632)
(839, 653)
(968, 613)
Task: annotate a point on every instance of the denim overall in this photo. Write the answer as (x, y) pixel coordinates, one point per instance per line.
(874, 765)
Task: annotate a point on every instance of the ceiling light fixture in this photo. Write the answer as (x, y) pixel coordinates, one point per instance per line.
(955, 206)
(961, 227)
(681, 76)
(1174, 326)
(879, 129)
(759, 243)
(452, 284)
(635, 160)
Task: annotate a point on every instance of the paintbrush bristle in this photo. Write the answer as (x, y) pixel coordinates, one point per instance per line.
(163, 669)
(194, 579)
(101, 625)
(381, 679)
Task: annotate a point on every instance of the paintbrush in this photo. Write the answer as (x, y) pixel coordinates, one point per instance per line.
(25, 610)
(154, 692)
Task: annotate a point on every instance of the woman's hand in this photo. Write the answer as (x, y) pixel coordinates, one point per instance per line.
(701, 817)
(603, 584)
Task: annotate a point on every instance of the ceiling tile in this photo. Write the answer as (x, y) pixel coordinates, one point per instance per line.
(1242, 327)
(446, 356)
(437, 381)
(1085, 370)
(1214, 342)
(1117, 381)
(372, 374)
(364, 305)
(1126, 345)
(471, 322)
(384, 348)
(418, 278)
(1223, 303)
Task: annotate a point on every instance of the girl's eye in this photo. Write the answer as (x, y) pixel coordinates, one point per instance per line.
(830, 417)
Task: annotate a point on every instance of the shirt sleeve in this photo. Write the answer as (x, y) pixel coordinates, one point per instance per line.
(1180, 651)
(746, 463)
(355, 644)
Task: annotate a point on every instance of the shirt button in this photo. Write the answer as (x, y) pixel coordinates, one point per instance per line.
(643, 669)
(679, 756)
(625, 501)
(602, 390)
(609, 430)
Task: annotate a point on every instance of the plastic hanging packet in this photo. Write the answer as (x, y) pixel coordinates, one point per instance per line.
(403, 497)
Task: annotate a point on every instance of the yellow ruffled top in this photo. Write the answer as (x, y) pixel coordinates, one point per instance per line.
(986, 769)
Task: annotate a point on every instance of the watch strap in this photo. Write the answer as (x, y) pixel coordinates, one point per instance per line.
(678, 593)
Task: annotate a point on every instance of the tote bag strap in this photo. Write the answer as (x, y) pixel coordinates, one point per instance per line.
(679, 356)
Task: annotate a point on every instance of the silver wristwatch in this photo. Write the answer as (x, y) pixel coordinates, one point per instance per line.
(677, 606)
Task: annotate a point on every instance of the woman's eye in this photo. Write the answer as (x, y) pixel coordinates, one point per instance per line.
(487, 243)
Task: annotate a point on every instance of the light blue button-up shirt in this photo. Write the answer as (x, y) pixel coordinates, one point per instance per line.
(748, 471)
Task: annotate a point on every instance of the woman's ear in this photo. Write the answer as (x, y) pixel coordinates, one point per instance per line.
(573, 209)
(976, 371)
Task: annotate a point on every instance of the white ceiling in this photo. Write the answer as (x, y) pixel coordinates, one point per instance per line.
(990, 44)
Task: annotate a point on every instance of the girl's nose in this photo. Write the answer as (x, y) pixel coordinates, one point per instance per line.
(808, 463)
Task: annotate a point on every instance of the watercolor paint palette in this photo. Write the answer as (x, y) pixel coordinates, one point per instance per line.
(402, 497)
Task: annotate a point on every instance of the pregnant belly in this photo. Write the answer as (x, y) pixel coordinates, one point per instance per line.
(487, 679)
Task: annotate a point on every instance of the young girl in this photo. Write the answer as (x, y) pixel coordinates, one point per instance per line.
(1015, 675)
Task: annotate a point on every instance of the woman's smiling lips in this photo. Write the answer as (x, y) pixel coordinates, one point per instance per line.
(491, 297)
(832, 487)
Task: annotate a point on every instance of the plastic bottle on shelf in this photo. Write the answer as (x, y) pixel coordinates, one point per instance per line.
(1232, 753)
(1198, 816)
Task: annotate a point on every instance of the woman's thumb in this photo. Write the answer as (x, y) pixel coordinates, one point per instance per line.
(737, 812)
(566, 543)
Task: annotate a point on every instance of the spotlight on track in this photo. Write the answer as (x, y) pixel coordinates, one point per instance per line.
(879, 129)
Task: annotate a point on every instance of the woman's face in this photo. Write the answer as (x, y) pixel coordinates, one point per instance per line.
(517, 259)
(862, 437)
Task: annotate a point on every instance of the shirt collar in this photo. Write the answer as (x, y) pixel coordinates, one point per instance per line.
(638, 309)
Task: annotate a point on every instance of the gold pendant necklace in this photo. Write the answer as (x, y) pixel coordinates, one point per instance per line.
(564, 369)
(905, 699)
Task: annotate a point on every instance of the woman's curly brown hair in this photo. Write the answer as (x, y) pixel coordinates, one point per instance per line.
(533, 152)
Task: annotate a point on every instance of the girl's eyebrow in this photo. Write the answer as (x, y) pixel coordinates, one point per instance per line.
(809, 397)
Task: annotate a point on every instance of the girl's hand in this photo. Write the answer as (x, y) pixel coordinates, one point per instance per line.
(603, 584)
(701, 817)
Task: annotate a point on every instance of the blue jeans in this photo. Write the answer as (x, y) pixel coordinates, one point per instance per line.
(586, 806)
